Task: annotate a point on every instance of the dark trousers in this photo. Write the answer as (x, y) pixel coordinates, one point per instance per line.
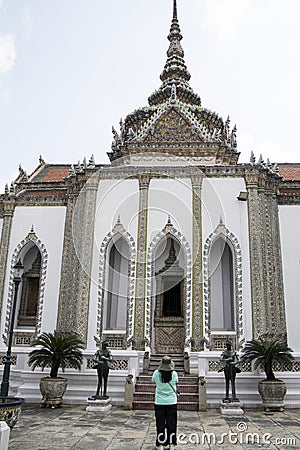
(166, 424)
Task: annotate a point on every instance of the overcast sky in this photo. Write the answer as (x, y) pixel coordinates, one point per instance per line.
(70, 69)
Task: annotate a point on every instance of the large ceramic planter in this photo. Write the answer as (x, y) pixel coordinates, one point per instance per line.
(52, 390)
(272, 393)
(10, 409)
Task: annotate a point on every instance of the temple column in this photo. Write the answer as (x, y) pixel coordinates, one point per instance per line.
(66, 318)
(197, 303)
(277, 271)
(9, 208)
(77, 256)
(83, 229)
(141, 261)
(256, 255)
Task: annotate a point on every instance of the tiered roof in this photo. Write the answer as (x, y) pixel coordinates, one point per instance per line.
(175, 122)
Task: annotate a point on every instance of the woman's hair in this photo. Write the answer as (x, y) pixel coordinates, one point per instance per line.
(166, 376)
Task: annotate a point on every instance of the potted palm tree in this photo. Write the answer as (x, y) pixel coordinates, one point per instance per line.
(55, 350)
(265, 352)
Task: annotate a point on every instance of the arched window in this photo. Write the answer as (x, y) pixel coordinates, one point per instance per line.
(117, 269)
(222, 287)
(29, 297)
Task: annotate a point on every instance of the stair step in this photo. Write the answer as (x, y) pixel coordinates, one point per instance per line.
(149, 405)
(150, 387)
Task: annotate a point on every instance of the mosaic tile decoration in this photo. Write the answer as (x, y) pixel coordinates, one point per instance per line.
(23, 339)
(119, 364)
(214, 366)
(13, 360)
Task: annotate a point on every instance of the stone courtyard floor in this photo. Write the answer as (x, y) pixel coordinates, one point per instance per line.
(71, 427)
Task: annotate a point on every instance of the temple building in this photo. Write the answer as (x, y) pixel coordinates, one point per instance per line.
(171, 247)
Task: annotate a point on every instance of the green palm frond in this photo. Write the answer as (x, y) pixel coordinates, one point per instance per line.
(57, 350)
(265, 352)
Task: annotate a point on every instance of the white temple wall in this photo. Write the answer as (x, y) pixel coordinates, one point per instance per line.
(115, 198)
(170, 197)
(289, 216)
(219, 199)
(48, 224)
(1, 224)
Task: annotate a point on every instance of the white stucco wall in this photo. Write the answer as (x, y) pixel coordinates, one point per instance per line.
(114, 198)
(219, 198)
(1, 224)
(171, 197)
(48, 223)
(290, 244)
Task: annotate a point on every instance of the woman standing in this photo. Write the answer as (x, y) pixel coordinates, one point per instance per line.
(165, 378)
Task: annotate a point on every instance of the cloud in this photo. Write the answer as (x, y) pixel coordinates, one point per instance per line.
(225, 17)
(27, 20)
(4, 94)
(7, 52)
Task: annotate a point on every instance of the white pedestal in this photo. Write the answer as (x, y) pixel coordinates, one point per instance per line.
(4, 435)
(232, 409)
(99, 405)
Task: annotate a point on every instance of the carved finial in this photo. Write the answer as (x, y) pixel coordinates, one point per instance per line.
(175, 10)
(276, 168)
(169, 220)
(268, 163)
(84, 163)
(175, 70)
(227, 127)
(221, 220)
(91, 162)
(12, 189)
(119, 219)
(233, 138)
(72, 171)
(6, 191)
(31, 235)
(260, 160)
(41, 160)
(173, 93)
(252, 157)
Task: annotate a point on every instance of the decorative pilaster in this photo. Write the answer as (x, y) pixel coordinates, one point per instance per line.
(141, 262)
(77, 257)
(277, 268)
(83, 230)
(264, 250)
(270, 265)
(9, 207)
(66, 318)
(197, 307)
(256, 256)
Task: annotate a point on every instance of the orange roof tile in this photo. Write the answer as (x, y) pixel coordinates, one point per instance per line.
(290, 173)
(55, 174)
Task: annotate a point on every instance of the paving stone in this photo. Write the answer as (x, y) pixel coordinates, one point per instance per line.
(71, 427)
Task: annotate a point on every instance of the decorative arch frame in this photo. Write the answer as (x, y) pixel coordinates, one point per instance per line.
(224, 233)
(169, 230)
(117, 230)
(30, 238)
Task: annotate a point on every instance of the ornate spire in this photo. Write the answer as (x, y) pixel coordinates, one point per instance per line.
(175, 70)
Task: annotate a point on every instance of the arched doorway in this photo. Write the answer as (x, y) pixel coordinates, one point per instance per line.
(169, 291)
(222, 287)
(116, 286)
(30, 288)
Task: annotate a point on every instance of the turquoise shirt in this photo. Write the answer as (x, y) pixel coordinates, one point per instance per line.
(164, 394)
